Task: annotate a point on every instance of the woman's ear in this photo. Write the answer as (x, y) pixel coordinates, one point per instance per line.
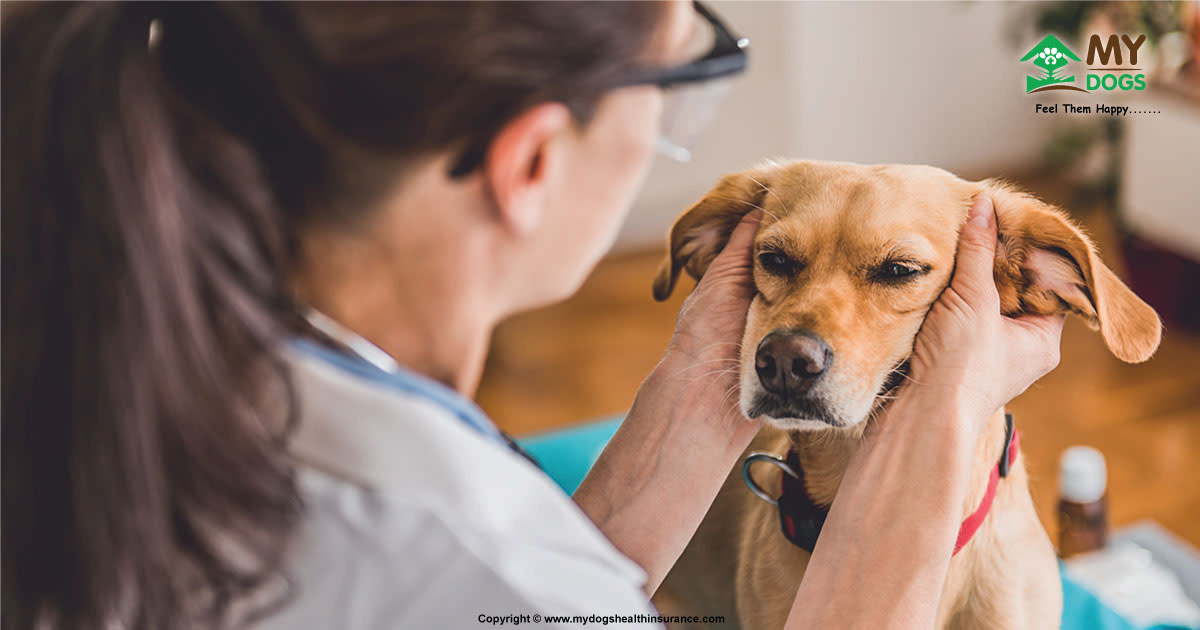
(1045, 265)
(700, 233)
(517, 162)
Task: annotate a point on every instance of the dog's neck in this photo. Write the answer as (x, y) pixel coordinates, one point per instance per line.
(825, 454)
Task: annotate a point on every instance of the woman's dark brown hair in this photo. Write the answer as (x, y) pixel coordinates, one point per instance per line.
(152, 190)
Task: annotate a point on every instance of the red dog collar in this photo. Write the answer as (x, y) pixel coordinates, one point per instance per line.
(801, 519)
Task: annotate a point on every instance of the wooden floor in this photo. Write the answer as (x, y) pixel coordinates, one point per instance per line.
(586, 357)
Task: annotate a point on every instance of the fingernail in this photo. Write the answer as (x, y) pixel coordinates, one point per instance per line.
(981, 212)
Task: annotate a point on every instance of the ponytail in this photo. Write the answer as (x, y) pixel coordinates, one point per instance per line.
(143, 481)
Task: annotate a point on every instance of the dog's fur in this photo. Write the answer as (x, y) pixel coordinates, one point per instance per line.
(840, 222)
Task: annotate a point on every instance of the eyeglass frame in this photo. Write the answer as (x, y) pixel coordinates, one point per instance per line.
(727, 57)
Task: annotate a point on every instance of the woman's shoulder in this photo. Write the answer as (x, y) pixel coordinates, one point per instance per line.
(406, 456)
(409, 504)
(405, 445)
(372, 559)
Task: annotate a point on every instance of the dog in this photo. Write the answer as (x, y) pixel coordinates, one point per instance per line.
(848, 259)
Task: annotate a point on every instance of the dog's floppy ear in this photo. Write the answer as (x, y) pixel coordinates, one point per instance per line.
(700, 233)
(1045, 265)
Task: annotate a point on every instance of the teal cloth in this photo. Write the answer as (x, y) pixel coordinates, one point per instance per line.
(567, 454)
(1083, 611)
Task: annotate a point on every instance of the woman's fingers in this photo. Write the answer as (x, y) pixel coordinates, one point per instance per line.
(736, 261)
(1035, 341)
(742, 240)
(1048, 325)
(976, 257)
(738, 249)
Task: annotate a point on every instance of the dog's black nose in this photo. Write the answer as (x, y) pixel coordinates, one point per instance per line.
(790, 361)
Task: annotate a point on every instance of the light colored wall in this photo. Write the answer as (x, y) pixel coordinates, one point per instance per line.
(1161, 200)
(930, 83)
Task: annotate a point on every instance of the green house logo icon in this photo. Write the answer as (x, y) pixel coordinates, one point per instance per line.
(1051, 57)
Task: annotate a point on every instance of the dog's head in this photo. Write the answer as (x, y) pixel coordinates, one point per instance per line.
(849, 258)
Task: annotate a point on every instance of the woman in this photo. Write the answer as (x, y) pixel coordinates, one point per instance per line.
(252, 257)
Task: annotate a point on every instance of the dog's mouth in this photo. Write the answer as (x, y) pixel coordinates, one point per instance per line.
(777, 408)
(814, 409)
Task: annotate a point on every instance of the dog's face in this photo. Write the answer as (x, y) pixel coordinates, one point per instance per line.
(849, 258)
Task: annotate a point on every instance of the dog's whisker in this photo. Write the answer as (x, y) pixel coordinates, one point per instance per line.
(769, 192)
(714, 374)
(749, 203)
(712, 360)
(707, 361)
(717, 344)
(725, 397)
(733, 363)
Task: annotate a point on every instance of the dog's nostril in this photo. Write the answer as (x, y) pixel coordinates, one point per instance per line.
(808, 365)
(765, 364)
(802, 367)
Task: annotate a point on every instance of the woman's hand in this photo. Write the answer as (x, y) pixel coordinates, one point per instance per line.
(713, 317)
(685, 430)
(966, 348)
(702, 364)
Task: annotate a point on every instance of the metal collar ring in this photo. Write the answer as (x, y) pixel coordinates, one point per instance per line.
(775, 461)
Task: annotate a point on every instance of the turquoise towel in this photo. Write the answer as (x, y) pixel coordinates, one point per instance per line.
(568, 454)
(1082, 611)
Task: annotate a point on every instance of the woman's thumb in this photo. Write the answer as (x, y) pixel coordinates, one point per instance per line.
(741, 241)
(737, 250)
(976, 252)
(736, 260)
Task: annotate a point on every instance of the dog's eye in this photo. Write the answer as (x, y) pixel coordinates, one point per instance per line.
(776, 262)
(897, 271)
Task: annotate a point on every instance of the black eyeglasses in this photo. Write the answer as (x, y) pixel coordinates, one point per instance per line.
(691, 91)
(726, 57)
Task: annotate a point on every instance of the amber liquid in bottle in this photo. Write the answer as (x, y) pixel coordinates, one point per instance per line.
(1082, 501)
(1082, 527)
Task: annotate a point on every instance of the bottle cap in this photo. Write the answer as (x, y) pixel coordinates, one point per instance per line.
(1082, 475)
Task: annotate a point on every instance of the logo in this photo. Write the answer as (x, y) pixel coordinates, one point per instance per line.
(1051, 57)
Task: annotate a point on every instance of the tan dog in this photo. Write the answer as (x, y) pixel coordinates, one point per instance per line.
(848, 260)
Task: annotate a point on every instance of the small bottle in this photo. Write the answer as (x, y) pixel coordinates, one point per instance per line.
(1082, 501)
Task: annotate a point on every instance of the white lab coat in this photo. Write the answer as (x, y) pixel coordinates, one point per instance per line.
(417, 518)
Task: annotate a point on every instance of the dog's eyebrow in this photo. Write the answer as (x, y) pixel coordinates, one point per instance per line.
(910, 250)
(771, 242)
(780, 241)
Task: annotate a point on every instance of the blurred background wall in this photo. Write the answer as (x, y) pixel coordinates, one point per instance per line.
(928, 83)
